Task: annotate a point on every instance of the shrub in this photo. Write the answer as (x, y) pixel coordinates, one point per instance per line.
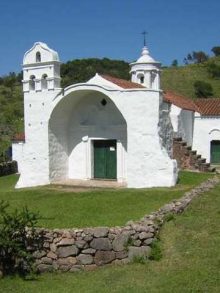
(203, 89)
(18, 238)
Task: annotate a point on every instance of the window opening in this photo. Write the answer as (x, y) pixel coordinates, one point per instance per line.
(142, 79)
(44, 81)
(103, 102)
(38, 57)
(32, 83)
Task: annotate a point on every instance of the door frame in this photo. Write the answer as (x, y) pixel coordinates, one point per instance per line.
(120, 157)
(105, 147)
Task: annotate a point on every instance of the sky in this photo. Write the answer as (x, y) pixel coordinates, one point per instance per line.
(107, 28)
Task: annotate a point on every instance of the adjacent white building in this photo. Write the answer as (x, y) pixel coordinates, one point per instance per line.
(106, 128)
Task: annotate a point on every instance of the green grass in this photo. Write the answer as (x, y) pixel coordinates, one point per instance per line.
(65, 209)
(190, 262)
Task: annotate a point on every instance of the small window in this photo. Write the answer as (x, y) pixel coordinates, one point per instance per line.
(38, 57)
(44, 82)
(103, 102)
(142, 79)
(32, 83)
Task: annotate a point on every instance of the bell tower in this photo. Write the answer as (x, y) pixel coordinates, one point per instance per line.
(146, 70)
(41, 69)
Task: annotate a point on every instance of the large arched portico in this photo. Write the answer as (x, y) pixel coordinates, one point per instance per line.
(81, 123)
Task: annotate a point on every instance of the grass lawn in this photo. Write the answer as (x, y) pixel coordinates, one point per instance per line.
(190, 263)
(65, 209)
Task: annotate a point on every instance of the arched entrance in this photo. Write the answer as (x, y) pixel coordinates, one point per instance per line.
(87, 138)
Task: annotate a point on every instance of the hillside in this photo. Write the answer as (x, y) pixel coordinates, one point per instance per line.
(179, 79)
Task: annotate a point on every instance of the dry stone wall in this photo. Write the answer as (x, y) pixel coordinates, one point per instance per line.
(87, 248)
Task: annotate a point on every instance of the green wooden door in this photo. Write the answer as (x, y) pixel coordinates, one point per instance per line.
(215, 151)
(105, 160)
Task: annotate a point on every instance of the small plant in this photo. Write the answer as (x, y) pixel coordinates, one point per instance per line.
(156, 252)
(18, 238)
(129, 242)
(139, 259)
(169, 217)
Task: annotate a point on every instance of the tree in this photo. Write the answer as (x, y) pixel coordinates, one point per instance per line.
(214, 70)
(174, 63)
(196, 57)
(199, 57)
(216, 51)
(203, 89)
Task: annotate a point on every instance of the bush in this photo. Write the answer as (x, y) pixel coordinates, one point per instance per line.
(213, 70)
(203, 89)
(18, 239)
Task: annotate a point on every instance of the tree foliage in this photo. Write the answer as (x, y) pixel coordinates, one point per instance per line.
(216, 50)
(82, 70)
(11, 110)
(18, 237)
(203, 89)
(196, 57)
(214, 70)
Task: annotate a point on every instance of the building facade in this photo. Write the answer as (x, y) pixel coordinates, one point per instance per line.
(106, 128)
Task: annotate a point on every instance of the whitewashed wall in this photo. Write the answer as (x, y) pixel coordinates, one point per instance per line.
(183, 123)
(51, 136)
(206, 129)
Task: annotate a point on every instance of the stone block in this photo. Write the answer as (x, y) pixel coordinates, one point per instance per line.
(134, 252)
(148, 241)
(120, 241)
(66, 242)
(100, 232)
(39, 253)
(52, 255)
(65, 251)
(81, 243)
(145, 235)
(101, 244)
(104, 257)
(84, 259)
(89, 251)
(66, 261)
(53, 247)
(90, 267)
(46, 260)
(121, 254)
(42, 268)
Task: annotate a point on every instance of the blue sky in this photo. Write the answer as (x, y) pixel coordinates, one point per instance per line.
(107, 28)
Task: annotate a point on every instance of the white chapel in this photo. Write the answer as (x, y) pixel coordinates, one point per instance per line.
(106, 128)
(130, 132)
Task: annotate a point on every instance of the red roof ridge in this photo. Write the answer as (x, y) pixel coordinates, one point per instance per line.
(126, 84)
(180, 101)
(18, 137)
(208, 106)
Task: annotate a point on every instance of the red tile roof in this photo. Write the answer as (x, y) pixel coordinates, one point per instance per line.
(19, 137)
(179, 101)
(125, 84)
(210, 106)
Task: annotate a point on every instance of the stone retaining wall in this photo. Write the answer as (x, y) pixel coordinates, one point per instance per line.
(7, 168)
(88, 248)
